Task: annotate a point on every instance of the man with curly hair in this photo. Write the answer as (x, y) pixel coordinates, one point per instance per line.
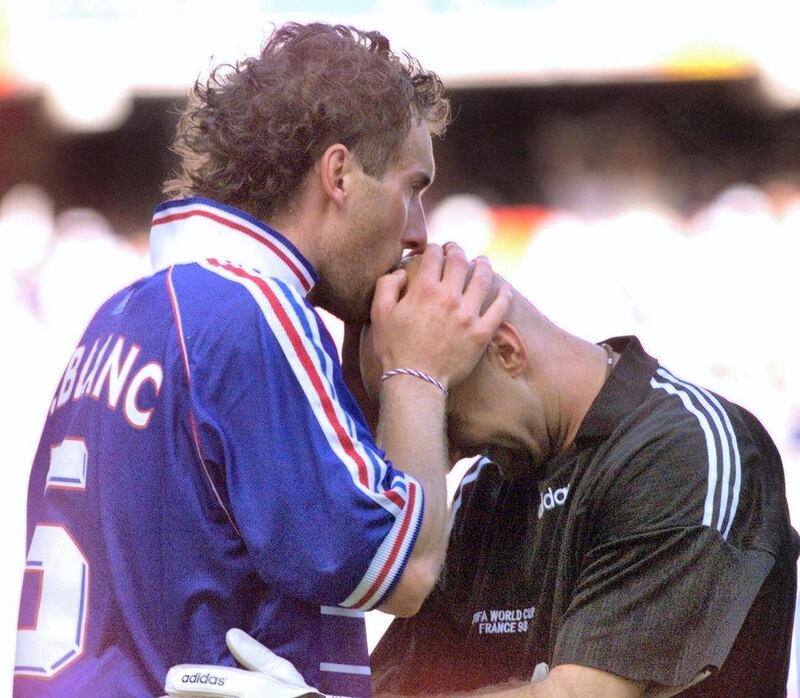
(222, 475)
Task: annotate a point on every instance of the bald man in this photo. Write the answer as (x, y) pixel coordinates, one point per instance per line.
(629, 532)
(627, 535)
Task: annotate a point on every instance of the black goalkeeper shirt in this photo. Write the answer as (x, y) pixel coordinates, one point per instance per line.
(657, 548)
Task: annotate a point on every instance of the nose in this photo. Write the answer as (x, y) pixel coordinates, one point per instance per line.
(415, 236)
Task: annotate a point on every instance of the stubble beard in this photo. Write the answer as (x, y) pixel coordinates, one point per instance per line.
(348, 300)
(348, 284)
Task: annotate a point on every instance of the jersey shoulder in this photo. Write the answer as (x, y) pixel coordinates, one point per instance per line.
(213, 304)
(687, 456)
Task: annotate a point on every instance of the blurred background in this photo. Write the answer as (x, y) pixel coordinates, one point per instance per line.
(632, 167)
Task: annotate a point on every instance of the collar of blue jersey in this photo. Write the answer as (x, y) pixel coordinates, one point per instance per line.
(625, 388)
(195, 229)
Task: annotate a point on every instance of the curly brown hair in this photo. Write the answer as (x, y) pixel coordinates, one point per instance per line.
(251, 132)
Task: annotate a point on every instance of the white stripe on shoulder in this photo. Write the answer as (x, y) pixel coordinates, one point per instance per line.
(369, 457)
(308, 319)
(711, 448)
(389, 560)
(729, 444)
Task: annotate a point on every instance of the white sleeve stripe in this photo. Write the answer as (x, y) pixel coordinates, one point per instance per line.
(377, 471)
(345, 668)
(311, 327)
(723, 442)
(710, 446)
(390, 560)
(737, 461)
(407, 509)
(360, 453)
(336, 611)
(733, 445)
(728, 446)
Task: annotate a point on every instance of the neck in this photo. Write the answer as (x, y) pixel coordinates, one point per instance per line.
(573, 371)
(300, 230)
(300, 221)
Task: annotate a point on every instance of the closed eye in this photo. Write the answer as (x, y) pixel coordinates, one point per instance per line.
(420, 183)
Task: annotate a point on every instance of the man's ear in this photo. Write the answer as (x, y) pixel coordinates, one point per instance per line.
(334, 168)
(508, 350)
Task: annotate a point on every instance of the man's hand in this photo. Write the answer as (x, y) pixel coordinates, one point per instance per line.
(269, 675)
(430, 321)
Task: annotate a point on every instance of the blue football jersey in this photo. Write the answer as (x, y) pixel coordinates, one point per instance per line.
(203, 466)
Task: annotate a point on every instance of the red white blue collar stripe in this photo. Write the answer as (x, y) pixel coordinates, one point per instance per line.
(194, 229)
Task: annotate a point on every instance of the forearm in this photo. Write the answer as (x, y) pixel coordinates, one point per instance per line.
(411, 431)
(431, 324)
(564, 681)
(507, 690)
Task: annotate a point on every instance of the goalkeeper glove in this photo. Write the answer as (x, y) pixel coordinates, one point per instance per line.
(266, 675)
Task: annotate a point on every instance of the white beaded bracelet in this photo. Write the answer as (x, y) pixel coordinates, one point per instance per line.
(418, 374)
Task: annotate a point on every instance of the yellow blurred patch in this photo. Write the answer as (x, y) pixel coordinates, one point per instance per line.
(707, 62)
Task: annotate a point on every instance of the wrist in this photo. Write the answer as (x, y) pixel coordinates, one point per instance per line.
(406, 372)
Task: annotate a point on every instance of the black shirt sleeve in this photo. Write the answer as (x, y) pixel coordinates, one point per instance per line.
(661, 606)
(664, 589)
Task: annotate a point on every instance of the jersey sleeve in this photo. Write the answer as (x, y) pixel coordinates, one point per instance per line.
(326, 519)
(672, 570)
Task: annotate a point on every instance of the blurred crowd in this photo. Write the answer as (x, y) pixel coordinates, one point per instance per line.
(54, 272)
(713, 294)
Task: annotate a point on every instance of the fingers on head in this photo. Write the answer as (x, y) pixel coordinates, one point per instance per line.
(455, 267)
(497, 311)
(388, 290)
(481, 279)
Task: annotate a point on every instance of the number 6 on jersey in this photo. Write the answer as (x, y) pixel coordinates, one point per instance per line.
(53, 616)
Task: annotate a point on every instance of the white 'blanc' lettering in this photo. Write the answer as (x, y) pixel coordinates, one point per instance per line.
(90, 376)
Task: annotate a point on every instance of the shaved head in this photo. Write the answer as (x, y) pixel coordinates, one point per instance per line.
(520, 314)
